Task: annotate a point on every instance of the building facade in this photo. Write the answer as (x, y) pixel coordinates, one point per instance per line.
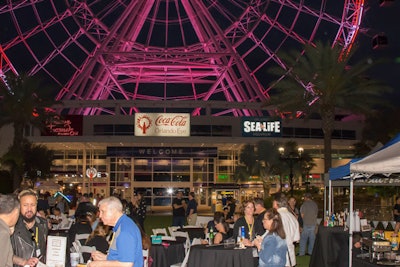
(103, 155)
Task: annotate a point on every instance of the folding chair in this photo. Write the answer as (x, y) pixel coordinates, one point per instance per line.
(173, 229)
(184, 262)
(160, 231)
(185, 235)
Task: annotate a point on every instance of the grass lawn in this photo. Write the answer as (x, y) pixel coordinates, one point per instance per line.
(163, 221)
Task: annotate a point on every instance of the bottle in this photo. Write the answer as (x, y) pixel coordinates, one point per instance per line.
(326, 221)
(211, 236)
(394, 242)
(242, 232)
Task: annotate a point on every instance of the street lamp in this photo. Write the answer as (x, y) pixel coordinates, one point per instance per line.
(291, 158)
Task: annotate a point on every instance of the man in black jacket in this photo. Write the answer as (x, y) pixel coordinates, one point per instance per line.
(30, 235)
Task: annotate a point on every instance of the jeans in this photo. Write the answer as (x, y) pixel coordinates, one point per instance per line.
(178, 221)
(308, 234)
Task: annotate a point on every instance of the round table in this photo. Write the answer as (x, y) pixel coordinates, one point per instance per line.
(219, 256)
(168, 252)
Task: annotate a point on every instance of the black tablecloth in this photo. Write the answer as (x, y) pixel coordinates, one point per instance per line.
(166, 255)
(193, 232)
(331, 248)
(218, 256)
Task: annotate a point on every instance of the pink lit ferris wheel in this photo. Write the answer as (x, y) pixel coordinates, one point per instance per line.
(163, 51)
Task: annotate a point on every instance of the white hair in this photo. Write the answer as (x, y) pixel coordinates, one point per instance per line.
(112, 202)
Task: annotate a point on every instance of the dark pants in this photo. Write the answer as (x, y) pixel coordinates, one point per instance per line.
(178, 221)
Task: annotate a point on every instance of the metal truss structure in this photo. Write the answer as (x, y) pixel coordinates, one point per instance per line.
(161, 51)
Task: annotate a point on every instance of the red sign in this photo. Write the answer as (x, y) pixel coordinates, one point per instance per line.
(70, 125)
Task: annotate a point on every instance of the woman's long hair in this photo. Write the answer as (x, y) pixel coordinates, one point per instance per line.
(221, 219)
(100, 230)
(277, 225)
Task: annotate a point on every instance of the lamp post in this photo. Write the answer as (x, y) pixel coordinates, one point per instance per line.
(291, 158)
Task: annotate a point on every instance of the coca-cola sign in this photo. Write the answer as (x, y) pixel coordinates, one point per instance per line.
(162, 124)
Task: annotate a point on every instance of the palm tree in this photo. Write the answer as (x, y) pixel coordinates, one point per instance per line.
(26, 101)
(263, 160)
(257, 160)
(321, 82)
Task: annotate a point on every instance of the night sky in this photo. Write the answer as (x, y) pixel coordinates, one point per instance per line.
(383, 20)
(376, 20)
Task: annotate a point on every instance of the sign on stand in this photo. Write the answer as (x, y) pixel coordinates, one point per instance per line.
(56, 250)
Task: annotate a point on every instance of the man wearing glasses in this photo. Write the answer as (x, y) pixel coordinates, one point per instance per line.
(29, 238)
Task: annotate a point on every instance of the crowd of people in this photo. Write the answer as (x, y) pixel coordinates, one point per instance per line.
(26, 219)
(114, 227)
(274, 231)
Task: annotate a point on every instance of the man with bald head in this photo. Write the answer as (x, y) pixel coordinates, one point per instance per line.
(126, 245)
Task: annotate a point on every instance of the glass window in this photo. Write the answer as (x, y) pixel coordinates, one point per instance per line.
(181, 177)
(287, 132)
(181, 165)
(317, 133)
(123, 164)
(160, 191)
(162, 201)
(162, 176)
(103, 129)
(124, 129)
(200, 130)
(199, 165)
(142, 177)
(162, 165)
(199, 177)
(302, 132)
(224, 130)
(143, 165)
(147, 191)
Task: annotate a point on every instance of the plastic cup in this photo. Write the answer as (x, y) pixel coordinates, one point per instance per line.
(74, 259)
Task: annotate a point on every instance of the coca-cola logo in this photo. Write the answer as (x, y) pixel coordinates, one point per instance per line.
(178, 120)
(144, 123)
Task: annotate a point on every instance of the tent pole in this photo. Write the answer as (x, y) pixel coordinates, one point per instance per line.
(351, 219)
(330, 198)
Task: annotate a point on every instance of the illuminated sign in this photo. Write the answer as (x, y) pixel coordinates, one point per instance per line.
(70, 125)
(162, 124)
(261, 127)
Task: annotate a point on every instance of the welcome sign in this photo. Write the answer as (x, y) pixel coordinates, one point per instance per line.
(261, 127)
(162, 124)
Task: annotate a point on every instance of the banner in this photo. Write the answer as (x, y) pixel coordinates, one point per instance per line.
(261, 127)
(162, 124)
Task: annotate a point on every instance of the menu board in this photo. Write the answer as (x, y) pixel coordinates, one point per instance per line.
(56, 250)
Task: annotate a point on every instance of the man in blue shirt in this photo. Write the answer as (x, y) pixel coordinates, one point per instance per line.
(191, 210)
(126, 245)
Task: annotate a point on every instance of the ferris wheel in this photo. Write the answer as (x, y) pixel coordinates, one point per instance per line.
(166, 50)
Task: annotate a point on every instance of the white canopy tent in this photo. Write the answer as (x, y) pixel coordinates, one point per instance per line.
(385, 161)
